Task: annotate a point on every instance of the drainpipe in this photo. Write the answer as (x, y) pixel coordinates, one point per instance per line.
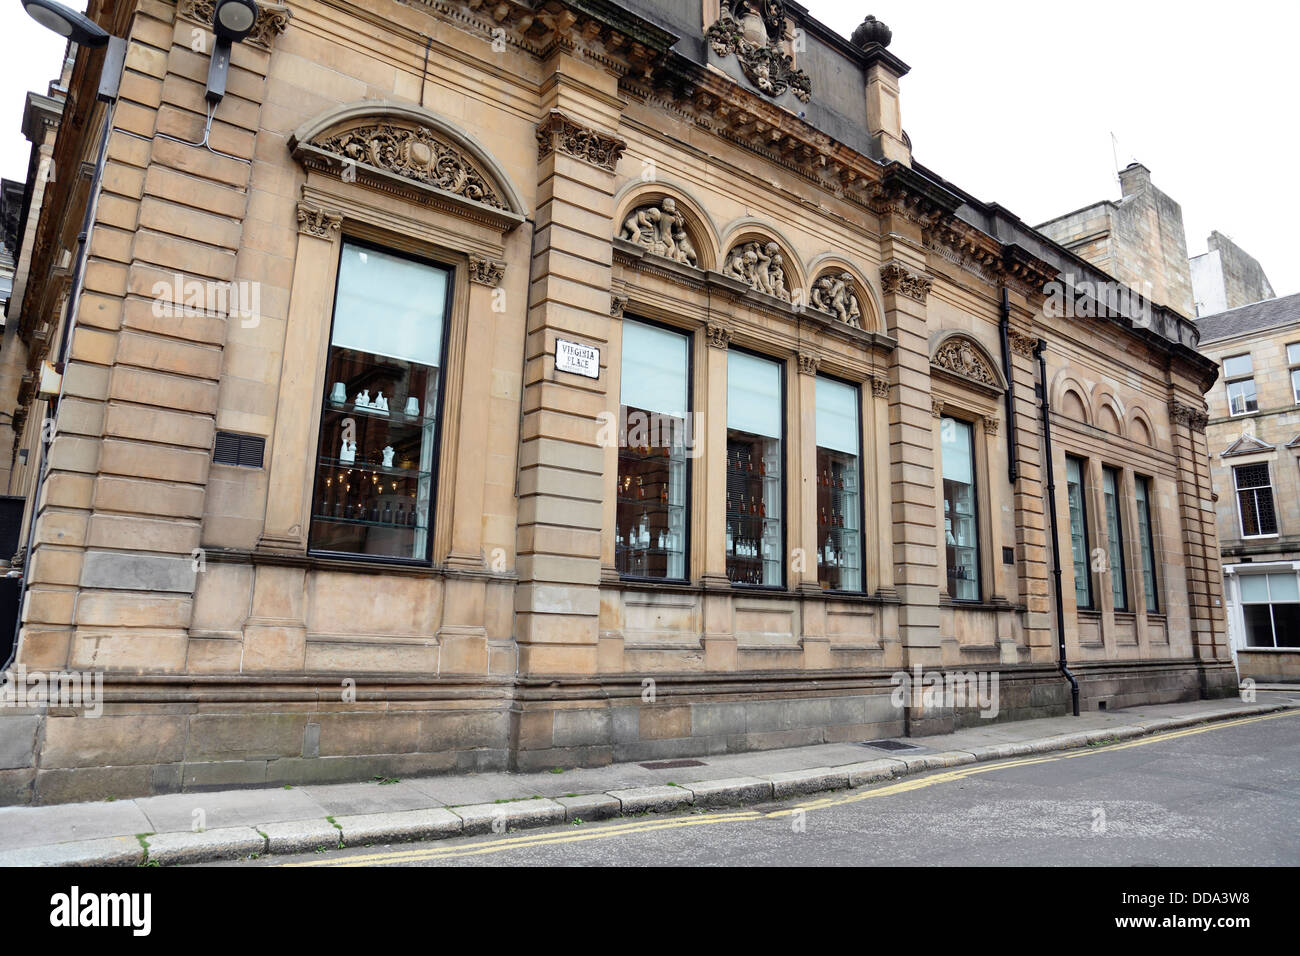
(1051, 513)
(1004, 327)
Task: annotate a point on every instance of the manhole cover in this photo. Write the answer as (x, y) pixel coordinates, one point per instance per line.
(673, 764)
(888, 745)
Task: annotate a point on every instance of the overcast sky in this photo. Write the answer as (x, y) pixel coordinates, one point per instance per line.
(1016, 101)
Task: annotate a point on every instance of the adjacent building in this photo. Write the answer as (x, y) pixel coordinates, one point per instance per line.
(522, 385)
(1227, 277)
(1254, 437)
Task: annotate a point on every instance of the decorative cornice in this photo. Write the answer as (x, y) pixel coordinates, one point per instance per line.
(318, 222)
(559, 134)
(485, 271)
(808, 363)
(272, 19)
(1193, 418)
(895, 279)
(719, 336)
(617, 303)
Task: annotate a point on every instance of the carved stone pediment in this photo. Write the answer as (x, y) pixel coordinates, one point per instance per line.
(958, 355)
(760, 265)
(835, 293)
(415, 153)
(753, 30)
(661, 229)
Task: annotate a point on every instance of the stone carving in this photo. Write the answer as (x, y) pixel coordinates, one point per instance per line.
(661, 229)
(1193, 418)
(321, 223)
(894, 278)
(1023, 344)
(808, 363)
(761, 266)
(754, 30)
(272, 19)
(879, 387)
(486, 271)
(413, 153)
(719, 336)
(557, 133)
(990, 425)
(617, 303)
(960, 356)
(936, 408)
(837, 295)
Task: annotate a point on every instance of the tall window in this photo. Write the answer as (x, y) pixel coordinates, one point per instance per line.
(839, 479)
(1270, 604)
(960, 519)
(1114, 539)
(1293, 362)
(650, 522)
(1079, 550)
(375, 469)
(1146, 539)
(755, 490)
(1239, 372)
(1255, 500)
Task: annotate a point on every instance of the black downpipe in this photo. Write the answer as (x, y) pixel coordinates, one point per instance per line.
(1004, 326)
(1051, 512)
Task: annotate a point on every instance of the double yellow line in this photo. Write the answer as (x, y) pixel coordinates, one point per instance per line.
(748, 816)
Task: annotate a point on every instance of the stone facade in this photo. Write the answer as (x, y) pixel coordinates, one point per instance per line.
(574, 167)
(1139, 240)
(1227, 277)
(1265, 441)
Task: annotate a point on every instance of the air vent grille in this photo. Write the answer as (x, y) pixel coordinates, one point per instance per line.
(244, 451)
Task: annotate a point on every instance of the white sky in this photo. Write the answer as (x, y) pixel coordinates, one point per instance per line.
(1016, 100)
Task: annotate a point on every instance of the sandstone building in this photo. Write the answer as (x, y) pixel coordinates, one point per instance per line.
(531, 384)
(1254, 439)
(1227, 277)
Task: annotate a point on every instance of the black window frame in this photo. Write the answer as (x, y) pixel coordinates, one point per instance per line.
(975, 514)
(452, 270)
(1148, 484)
(862, 487)
(1087, 537)
(1117, 475)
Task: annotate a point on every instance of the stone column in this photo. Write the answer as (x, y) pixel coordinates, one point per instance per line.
(561, 480)
(719, 639)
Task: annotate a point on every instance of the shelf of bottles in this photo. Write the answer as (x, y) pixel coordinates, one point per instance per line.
(754, 536)
(839, 539)
(960, 538)
(374, 473)
(650, 518)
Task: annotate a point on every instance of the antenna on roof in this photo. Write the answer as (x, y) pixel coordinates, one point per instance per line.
(1114, 151)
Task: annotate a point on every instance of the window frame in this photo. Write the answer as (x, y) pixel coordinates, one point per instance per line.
(1270, 604)
(1228, 383)
(688, 508)
(782, 371)
(1241, 516)
(1147, 484)
(976, 511)
(452, 270)
(1087, 544)
(1116, 477)
(862, 487)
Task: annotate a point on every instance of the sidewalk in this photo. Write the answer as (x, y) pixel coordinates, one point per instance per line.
(232, 824)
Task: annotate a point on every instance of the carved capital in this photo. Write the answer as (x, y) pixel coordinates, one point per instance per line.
(318, 222)
(1023, 344)
(808, 363)
(936, 409)
(895, 279)
(272, 19)
(617, 303)
(879, 387)
(559, 134)
(1193, 418)
(486, 271)
(719, 336)
(990, 425)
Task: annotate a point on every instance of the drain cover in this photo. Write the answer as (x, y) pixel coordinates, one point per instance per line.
(888, 745)
(673, 764)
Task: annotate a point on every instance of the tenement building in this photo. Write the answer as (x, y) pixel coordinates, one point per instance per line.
(1254, 438)
(534, 384)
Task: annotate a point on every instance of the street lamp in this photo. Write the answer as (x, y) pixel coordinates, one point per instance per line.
(232, 20)
(78, 28)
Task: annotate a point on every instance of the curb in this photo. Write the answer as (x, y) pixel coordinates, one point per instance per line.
(299, 836)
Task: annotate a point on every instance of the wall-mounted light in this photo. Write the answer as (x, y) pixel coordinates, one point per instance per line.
(232, 20)
(78, 28)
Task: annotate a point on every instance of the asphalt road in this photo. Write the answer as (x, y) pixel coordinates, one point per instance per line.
(1223, 794)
